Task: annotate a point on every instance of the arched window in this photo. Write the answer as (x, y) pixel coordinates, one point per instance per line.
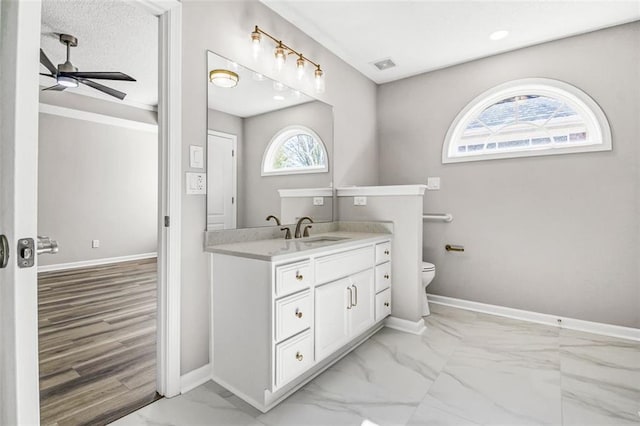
(528, 117)
(295, 149)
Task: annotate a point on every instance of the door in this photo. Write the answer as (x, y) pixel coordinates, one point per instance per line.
(332, 313)
(221, 181)
(362, 314)
(19, 67)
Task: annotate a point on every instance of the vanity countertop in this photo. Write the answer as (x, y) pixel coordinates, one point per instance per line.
(281, 249)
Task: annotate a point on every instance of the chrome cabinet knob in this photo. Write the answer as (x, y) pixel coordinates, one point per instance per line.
(299, 356)
(299, 276)
(386, 276)
(386, 252)
(386, 304)
(298, 314)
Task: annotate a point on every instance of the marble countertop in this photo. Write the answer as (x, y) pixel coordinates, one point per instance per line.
(281, 249)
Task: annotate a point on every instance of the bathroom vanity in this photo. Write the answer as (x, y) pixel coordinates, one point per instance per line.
(285, 310)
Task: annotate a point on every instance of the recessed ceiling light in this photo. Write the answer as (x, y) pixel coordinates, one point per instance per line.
(278, 98)
(498, 35)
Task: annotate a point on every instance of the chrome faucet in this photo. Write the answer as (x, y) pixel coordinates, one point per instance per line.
(273, 217)
(302, 219)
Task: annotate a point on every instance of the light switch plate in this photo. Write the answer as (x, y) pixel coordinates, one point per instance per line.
(318, 201)
(196, 183)
(433, 183)
(196, 157)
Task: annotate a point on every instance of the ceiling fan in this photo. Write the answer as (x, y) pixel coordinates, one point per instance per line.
(67, 75)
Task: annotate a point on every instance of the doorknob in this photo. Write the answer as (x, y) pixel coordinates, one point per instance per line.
(4, 251)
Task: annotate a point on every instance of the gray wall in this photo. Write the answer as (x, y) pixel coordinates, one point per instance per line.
(557, 234)
(96, 181)
(259, 194)
(224, 28)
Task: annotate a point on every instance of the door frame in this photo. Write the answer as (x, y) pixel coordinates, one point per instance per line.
(20, 43)
(234, 183)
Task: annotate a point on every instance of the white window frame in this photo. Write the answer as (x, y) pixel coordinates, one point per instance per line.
(282, 136)
(597, 124)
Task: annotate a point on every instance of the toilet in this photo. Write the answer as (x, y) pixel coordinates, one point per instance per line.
(428, 274)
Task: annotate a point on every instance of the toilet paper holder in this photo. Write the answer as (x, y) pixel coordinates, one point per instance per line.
(450, 247)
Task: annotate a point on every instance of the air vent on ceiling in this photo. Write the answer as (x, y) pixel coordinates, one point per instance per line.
(384, 64)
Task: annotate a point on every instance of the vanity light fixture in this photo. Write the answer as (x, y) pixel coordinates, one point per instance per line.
(223, 78)
(280, 53)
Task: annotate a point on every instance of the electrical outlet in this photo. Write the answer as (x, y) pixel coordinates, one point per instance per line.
(433, 183)
(196, 183)
(95, 243)
(318, 201)
(359, 201)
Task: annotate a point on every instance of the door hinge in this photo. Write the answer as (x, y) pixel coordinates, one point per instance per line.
(233, 200)
(233, 152)
(167, 221)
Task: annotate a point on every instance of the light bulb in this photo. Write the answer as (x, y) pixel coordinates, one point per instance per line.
(300, 67)
(255, 43)
(319, 80)
(280, 56)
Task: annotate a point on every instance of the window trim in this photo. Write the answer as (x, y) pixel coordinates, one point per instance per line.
(582, 103)
(280, 137)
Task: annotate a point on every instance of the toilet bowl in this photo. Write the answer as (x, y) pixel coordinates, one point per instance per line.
(428, 274)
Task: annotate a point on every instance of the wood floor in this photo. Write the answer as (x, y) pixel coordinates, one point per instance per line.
(97, 342)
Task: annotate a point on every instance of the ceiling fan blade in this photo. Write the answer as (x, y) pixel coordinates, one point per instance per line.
(44, 60)
(57, 88)
(108, 90)
(48, 75)
(99, 75)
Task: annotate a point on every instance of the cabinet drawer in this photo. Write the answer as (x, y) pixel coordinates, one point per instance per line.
(383, 276)
(330, 268)
(293, 277)
(293, 314)
(293, 357)
(383, 304)
(383, 252)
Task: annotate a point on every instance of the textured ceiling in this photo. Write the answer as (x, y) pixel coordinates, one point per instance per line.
(113, 35)
(425, 35)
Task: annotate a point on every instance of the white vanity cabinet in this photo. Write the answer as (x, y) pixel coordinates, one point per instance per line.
(276, 323)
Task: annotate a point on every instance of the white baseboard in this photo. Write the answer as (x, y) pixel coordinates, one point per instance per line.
(195, 378)
(95, 262)
(407, 326)
(555, 320)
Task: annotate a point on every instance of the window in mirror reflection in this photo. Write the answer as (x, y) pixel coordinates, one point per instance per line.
(295, 149)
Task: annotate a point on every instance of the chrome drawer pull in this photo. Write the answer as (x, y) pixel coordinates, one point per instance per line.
(299, 276)
(298, 314)
(386, 252)
(350, 298)
(386, 276)
(386, 304)
(355, 290)
(299, 356)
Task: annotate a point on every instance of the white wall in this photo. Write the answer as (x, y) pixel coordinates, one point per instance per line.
(556, 234)
(224, 28)
(96, 181)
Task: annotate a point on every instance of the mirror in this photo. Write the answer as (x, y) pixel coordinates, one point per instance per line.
(269, 150)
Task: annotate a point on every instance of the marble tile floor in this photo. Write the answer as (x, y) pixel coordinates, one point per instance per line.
(468, 368)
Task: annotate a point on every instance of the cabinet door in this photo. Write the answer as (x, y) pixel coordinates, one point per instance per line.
(362, 314)
(331, 317)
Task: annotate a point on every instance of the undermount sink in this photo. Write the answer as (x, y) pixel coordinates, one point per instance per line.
(323, 239)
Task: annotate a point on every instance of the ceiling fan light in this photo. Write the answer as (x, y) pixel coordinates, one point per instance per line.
(67, 81)
(223, 78)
